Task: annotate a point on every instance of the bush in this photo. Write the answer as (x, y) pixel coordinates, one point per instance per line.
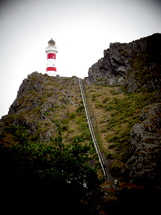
(109, 156)
(56, 172)
(65, 127)
(71, 130)
(105, 99)
(98, 105)
(72, 116)
(83, 126)
(80, 109)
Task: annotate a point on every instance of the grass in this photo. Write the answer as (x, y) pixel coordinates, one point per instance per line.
(77, 125)
(113, 117)
(52, 90)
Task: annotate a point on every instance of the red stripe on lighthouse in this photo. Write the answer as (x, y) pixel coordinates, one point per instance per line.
(51, 56)
(51, 69)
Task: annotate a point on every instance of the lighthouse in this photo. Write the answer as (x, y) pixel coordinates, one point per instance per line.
(51, 51)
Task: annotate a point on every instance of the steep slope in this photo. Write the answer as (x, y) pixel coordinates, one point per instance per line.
(41, 99)
(114, 116)
(145, 163)
(123, 94)
(123, 91)
(135, 65)
(45, 148)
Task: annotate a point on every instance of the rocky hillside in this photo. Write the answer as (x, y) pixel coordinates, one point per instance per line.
(135, 65)
(123, 94)
(123, 91)
(40, 99)
(45, 147)
(145, 161)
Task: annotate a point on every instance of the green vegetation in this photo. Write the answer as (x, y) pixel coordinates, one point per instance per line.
(125, 113)
(114, 115)
(52, 171)
(71, 116)
(57, 170)
(77, 121)
(80, 108)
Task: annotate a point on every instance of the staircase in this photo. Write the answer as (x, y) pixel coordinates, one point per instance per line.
(101, 158)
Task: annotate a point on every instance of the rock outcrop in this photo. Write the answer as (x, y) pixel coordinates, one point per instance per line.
(130, 142)
(39, 98)
(135, 65)
(144, 164)
(36, 87)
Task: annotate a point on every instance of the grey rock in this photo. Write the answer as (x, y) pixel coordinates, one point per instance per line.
(145, 161)
(130, 84)
(34, 81)
(37, 101)
(120, 62)
(14, 107)
(119, 90)
(1, 126)
(136, 134)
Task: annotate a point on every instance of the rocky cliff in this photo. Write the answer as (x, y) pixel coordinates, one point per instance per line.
(130, 68)
(40, 98)
(135, 65)
(45, 146)
(144, 165)
(123, 95)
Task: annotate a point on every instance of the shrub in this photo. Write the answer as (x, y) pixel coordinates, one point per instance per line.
(46, 113)
(71, 130)
(113, 138)
(83, 126)
(108, 107)
(112, 146)
(98, 105)
(110, 156)
(80, 109)
(105, 99)
(65, 127)
(41, 170)
(72, 116)
(63, 107)
(78, 119)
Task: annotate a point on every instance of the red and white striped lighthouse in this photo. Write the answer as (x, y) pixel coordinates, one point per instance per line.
(51, 51)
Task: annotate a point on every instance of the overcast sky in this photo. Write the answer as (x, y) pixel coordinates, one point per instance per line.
(82, 29)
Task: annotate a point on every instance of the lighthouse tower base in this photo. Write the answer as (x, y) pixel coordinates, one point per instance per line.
(51, 73)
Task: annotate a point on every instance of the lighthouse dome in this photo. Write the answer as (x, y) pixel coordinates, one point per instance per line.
(51, 42)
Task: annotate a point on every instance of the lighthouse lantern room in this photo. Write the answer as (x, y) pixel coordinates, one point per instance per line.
(51, 51)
